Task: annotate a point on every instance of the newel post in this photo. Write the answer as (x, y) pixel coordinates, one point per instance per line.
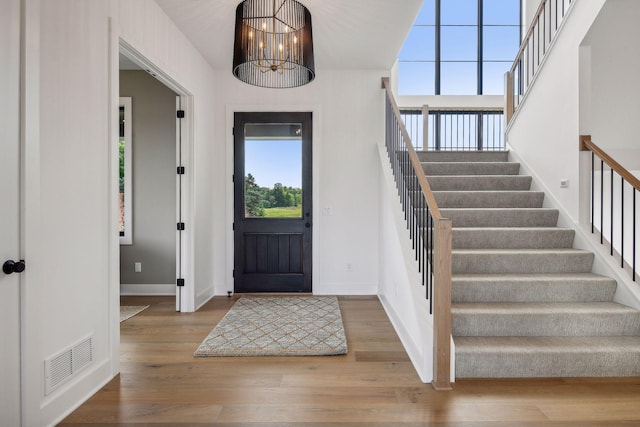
(425, 127)
(508, 97)
(442, 306)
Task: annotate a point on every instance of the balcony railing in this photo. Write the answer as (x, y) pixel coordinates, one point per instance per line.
(534, 48)
(455, 129)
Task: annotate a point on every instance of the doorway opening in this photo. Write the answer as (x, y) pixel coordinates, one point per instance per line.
(153, 167)
(273, 202)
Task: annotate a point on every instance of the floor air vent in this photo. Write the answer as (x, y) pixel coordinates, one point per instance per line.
(59, 369)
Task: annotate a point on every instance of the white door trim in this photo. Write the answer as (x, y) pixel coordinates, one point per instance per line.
(185, 296)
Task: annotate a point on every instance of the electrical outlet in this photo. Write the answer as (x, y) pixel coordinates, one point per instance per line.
(564, 183)
(137, 267)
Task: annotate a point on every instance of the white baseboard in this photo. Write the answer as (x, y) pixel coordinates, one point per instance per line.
(147, 289)
(345, 288)
(204, 297)
(69, 397)
(410, 346)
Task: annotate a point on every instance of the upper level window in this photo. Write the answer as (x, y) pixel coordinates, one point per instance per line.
(460, 47)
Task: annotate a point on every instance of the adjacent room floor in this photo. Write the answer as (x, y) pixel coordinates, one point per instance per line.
(373, 385)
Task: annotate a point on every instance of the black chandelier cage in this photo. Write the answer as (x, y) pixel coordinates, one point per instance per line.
(273, 44)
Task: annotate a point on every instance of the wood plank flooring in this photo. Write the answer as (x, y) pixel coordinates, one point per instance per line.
(373, 385)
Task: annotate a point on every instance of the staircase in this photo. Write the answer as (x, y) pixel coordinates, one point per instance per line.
(524, 302)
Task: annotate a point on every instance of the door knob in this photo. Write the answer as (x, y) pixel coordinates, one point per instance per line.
(11, 266)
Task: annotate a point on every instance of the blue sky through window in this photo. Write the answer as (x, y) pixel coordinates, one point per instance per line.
(459, 47)
(272, 160)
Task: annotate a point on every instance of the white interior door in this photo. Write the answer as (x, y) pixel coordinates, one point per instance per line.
(9, 211)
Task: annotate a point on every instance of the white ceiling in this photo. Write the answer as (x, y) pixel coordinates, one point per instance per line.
(347, 34)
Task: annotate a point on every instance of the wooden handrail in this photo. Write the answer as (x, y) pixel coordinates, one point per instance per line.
(441, 264)
(464, 109)
(587, 145)
(527, 36)
(415, 161)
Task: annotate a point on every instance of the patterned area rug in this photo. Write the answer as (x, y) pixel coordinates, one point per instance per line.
(278, 326)
(127, 311)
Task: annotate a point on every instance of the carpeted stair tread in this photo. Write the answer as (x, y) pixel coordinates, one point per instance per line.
(470, 168)
(512, 238)
(501, 217)
(463, 156)
(544, 319)
(524, 302)
(577, 287)
(513, 261)
(480, 183)
(519, 357)
(489, 199)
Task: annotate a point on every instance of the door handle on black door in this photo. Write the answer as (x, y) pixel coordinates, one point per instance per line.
(11, 266)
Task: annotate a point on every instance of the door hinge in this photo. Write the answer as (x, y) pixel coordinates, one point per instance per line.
(234, 274)
(180, 114)
(180, 282)
(181, 226)
(233, 226)
(180, 170)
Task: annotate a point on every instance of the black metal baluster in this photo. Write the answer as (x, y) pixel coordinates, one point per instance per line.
(634, 234)
(601, 201)
(421, 205)
(550, 22)
(621, 221)
(544, 32)
(611, 217)
(424, 237)
(432, 271)
(431, 265)
(593, 189)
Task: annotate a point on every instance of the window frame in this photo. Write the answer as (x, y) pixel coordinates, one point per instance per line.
(479, 59)
(126, 236)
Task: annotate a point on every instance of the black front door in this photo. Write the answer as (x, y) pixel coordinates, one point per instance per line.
(272, 188)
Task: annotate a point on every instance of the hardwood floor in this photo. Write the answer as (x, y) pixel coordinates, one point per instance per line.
(373, 385)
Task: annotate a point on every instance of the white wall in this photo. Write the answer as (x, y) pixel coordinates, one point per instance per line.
(401, 292)
(560, 106)
(145, 27)
(529, 9)
(74, 198)
(614, 84)
(71, 102)
(348, 121)
(544, 131)
(153, 172)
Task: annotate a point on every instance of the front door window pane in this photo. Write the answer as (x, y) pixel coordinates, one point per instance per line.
(273, 170)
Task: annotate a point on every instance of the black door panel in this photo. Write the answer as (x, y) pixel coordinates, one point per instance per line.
(272, 225)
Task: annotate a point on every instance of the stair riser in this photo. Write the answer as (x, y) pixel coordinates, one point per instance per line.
(516, 263)
(512, 238)
(443, 168)
(501, 218)
(536, 364)
(485, 199)
(466, 156)
(532, 292)
(547, 324)
(480, 183)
